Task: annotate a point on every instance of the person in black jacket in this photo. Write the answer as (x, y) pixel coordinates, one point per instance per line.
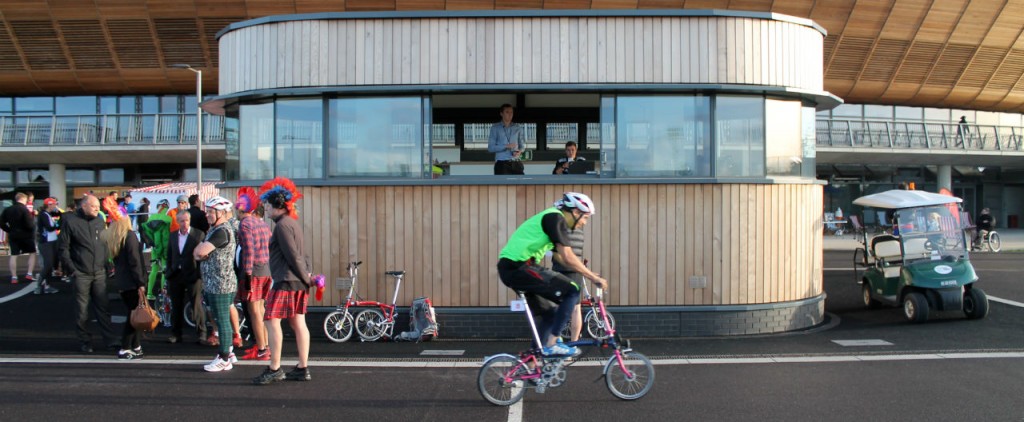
(121, 243)
(198, 216)
(83, 255)
(20, 224)
(183, 278)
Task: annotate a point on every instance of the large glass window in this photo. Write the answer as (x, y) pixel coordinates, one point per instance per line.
(783, 143)
(299, 135)
(79, 176)
(873, 111)
(76, 105)
(662, 136)
(33, 105)
(257, 128)
(376, 137)
(808, 134)
(112, 176)
(739, 136)
(5, 177)
(6, 106)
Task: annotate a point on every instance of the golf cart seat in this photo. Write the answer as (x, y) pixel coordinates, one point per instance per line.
(887, 253)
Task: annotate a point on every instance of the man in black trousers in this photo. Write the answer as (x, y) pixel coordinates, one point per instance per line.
(183, 278)
(84, 257)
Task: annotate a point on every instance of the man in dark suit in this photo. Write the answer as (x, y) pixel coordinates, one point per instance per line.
(183, 277)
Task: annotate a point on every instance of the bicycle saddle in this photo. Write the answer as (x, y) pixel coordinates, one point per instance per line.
(395, 273)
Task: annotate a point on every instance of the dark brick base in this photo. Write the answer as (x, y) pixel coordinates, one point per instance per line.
(641, 321)
(635, 322)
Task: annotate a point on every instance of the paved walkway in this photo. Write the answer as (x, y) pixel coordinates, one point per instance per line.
(1013, 240)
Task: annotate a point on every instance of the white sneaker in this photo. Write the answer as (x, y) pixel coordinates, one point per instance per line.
(218, 365)
(232, 358)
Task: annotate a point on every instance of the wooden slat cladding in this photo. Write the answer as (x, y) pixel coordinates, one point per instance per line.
(527, 50)
(754, 243)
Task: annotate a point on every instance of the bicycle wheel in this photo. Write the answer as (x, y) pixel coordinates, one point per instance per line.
(498, 380)
(994, 244)
(370, 324)
(243, 323)
(338, 326)
(595, 326)
(630, 386)
(189, 315)
(163, 307)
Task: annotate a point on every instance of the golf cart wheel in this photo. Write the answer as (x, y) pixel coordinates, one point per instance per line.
(865, 291)
(994, 244)
(915, 307)
(975, 303)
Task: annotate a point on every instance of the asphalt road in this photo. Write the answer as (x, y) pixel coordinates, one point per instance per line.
(946, 369)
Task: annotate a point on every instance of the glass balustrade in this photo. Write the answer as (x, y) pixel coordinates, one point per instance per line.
(109, 129)
(918, 135)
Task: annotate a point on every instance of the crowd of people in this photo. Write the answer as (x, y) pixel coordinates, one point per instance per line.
(214, 253)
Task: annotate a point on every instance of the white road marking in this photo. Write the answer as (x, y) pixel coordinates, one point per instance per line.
(1006, 301)
(863, 342)
(24, 291)
(515, 411)
(442, 353)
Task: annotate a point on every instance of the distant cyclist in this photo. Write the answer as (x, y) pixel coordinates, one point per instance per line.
(984, 224)
(552, 296)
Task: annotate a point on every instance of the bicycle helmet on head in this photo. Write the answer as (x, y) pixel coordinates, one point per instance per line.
(576, 200)
(218, 203)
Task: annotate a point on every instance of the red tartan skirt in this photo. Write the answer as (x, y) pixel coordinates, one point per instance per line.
(258, 289)
(282, 304)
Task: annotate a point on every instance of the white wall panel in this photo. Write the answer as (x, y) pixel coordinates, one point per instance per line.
(521, 50)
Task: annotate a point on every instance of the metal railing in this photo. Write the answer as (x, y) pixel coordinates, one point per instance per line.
(108, 129)
(919, 135)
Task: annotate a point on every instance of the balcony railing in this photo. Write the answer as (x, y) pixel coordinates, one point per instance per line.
(933, 136)
(109, 129)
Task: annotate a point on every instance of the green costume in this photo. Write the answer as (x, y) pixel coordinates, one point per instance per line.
(157, 232)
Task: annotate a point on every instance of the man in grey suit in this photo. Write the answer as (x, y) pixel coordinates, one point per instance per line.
(183, 278)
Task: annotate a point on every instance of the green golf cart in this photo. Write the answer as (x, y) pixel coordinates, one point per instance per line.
(923, 264)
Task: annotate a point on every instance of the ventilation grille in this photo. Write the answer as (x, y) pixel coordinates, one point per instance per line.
(849, 64)
(982, 67)
(1010, 72)
(950, 65)
(919, 59)
(39, 43)
(210, 29)
(87, 45)
(179, 41)
(9, 58)
(133, 43)
(884, 60)
(829, 47)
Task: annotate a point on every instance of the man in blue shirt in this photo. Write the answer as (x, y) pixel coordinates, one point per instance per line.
(506, 140)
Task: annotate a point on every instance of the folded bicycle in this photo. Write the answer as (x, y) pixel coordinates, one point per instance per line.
(504, 378)
(370, 324)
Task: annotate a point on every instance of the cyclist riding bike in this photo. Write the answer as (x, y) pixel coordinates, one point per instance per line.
(551, 295)
(984, 225)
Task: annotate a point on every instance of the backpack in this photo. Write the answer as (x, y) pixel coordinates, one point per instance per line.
(422, 321)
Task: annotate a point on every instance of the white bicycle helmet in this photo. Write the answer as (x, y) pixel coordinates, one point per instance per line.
(218, 203)
(577, 200)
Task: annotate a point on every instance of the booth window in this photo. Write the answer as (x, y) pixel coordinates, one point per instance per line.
(376, 136)
(299, 138)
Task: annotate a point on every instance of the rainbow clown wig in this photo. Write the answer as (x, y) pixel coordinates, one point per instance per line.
(112, 209)
(248, 200)
(281, 193)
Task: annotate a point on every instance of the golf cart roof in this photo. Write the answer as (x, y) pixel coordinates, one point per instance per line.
(897, 199)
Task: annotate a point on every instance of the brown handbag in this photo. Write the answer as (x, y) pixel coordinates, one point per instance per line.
(144, 318)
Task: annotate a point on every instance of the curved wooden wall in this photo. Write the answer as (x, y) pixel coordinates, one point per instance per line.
(521, 50)
(755, 243)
